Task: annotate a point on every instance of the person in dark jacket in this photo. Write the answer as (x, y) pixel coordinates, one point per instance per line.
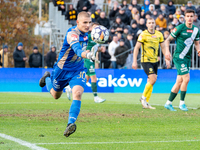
(142, 24)
(121, 60)
(83, 5)
(134, 30)
(157, 4)
(124, 18)
(170, 7)
(118, 25)
(35, 59)
(93, 6)
(102, 20)
(71, 15)
(163, 11)
(130, 42)
(190, 6)
(135, 5)
(51, 57)
(124, 4)
(113, 12)
(19, 56)
(104, 58)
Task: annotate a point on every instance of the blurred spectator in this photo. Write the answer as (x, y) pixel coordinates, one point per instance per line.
(124, 18)
(129, 42)
(178, 13)
(175, 21)
(145, 7)
(111, 49)
(198, 12)
(96, 14)
(155, 15)
(147, 16)
(113, 12)
(119, 35)
(19, 56)
(170, 18)
(190, 6)
(35, 59)
(118, 25)
(182, 19)
(134, 30)
(125, 32)
(104, 58)
(162, 22)
(102, 20)
(134, 12)
(111, 33)
(71, 15)
(137, 18)
(151, 9)
(93, 6)
(163, 11)
(170, 27)
(62, 8)
(196, 21)
(142, 15)
(157, 4)
(166, 34)
(124, 4)
(51, 57)
(170, 7)
(142, 25)
(121, 60)
(135, 5)
(83, 5)
(4, 57)
(128, 11)
(183, 8)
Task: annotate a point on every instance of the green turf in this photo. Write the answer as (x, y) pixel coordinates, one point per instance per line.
(120, 121)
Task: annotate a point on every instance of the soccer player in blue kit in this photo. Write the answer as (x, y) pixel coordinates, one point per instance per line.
(69, 68)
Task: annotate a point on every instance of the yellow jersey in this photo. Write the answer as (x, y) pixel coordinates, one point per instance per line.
(150, 45)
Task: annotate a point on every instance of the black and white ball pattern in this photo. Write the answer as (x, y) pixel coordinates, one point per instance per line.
(100, 34)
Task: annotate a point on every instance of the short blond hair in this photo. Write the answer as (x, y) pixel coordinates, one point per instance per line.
(83, 14)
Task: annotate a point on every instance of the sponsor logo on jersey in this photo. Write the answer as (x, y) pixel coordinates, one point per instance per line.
(140, 38)
(85, 38)
(154, 36)
(184, 33)
(190, 31)
(74, 37)
(174, 30)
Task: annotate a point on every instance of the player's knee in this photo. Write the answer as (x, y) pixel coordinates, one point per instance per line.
(186, 80)
(78, 94)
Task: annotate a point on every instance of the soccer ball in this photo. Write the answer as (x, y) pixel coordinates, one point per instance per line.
(100, 34)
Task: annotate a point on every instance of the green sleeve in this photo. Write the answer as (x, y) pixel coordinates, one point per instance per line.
(176, 31)
(90, 43)
(197, 36)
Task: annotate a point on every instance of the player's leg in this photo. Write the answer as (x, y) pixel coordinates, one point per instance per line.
(97, 99)
(173, 93)
(183, 88)
(78, 84)
(46, 80)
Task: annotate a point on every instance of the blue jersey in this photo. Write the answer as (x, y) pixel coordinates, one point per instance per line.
(75, 43)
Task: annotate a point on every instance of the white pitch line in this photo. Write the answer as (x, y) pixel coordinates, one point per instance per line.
(130, 142)
(21, 142)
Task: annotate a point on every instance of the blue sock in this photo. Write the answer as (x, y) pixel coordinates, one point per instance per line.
(48, 83)
(74, 111)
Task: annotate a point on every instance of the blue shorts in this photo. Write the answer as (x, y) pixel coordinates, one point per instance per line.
(61, 78)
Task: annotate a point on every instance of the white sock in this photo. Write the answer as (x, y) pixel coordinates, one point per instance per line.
(168, 102)
(182, 102)
(143, 97)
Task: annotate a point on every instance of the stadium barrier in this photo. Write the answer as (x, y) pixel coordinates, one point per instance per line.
(109, 80)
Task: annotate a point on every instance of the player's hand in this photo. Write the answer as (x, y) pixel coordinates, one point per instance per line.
(134, 65)
(168, 63)
(198, 53)
(168, 56)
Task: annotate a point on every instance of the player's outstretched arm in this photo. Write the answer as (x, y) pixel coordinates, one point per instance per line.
(135, 54)
(197, 46)
(165, 51)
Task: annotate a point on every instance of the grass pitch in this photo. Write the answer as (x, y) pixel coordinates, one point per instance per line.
(119, 123)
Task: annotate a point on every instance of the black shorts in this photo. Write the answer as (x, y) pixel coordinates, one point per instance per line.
(150, 68)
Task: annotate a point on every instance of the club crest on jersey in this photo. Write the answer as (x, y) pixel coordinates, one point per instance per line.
(85, 38)
(190, 31)
(74, 37)
(174, 30)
